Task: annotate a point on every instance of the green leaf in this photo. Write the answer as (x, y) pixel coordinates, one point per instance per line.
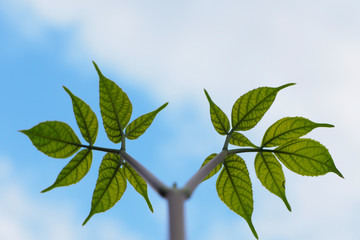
(85, 118)
(115, 107)
(215, 170)
(234, 188)
(136, 128)
(251, 107)
(218, 118)
(270, 174)
(55, 139)
(138, 183)
(74, 171)
(110, 186)
(239, 139)
(287, 129)
(306, 157)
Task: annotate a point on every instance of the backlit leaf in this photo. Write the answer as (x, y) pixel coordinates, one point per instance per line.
(110, 186)
(115, 108)
(74, 171)
(137, 127)
(215, 170)
(251, 107)
(239, 139)
(85, 118)
(234, 188)
(270, 174)
(55, 139)
(138, 183)
(306, 157)
(218, 118)
(287, 129)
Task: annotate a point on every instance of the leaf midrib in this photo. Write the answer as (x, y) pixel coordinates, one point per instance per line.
(237, 193)
(113, 107)
(108, 184)
(271, 174)
(302, 156)
(252, 109)
(294, 129)
(84, 121)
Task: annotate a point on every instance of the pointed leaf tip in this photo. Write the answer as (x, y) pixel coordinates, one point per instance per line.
(85, 118)
(74, 171)
(54, 138)
(137, 127)
(110, 185)
(219, 119)
(306, 157)
(115, 108)
(337, 172)
(251, 225)
(287, 129)
(249, 109)
(87, 219)
(97, 69)
(138, 183)
(235, 189)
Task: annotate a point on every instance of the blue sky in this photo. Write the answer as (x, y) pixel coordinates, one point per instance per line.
(159, 52)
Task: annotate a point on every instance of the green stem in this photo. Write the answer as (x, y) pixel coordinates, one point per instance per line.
(227, 140)
(243, 150)
(109, 150)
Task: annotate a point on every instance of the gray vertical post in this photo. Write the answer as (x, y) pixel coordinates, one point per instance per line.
(176, 199)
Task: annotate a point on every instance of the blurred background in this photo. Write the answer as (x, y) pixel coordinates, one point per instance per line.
(159, 51)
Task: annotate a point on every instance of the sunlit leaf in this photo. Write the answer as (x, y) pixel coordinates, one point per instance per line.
(215, 170)
(270, 174)
(239, 139)
(74, 171)
(234, 188)
(115, 108)
(251, 107)
(85, 118)
(287, 129)
(138, 183)
(306, 157)
(137, 127)
(110, 186)
(55, 139)
(218, 118)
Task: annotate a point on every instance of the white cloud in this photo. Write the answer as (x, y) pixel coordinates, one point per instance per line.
(177, 49)
(23, 217)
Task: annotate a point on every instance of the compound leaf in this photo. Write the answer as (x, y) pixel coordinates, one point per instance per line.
(137, 127)
(85, 118)
(287, 129)
(215, 170)
(306, 157)
(55, 139)
(115, 107)
(270, 174)
(239, 139)
(138, 183)
(110, 185)
(234, 188)
(251, 107)
(218, 118)
(74, 171)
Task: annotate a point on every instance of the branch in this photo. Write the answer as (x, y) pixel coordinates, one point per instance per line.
(198, 177)
(153, 181)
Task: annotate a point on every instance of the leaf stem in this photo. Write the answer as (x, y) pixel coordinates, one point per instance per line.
(243, 150)
(109, 150)
(227, 140)
(153, 181)
(198, 177)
